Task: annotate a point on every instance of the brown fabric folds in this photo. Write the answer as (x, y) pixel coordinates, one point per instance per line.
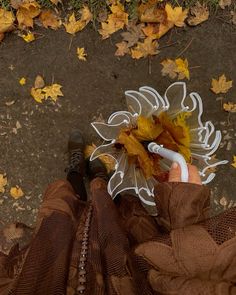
(130, 252)
(181, 204)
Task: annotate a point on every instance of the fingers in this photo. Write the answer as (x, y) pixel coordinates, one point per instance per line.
(194, 176)
(175, 174)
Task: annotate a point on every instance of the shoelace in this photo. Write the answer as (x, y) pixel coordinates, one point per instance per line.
(75, 160)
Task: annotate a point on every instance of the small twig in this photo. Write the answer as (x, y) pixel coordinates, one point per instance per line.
(168, 45)
(228, 119)
(195, 67)
(149, 65)
(71, 39)
(190, 42)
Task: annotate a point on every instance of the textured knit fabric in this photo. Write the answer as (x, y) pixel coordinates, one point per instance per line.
(182, 251)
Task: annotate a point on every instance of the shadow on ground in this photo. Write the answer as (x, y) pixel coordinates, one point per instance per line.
(36, 155)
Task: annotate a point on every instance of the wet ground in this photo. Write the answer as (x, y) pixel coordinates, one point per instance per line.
(35, 154)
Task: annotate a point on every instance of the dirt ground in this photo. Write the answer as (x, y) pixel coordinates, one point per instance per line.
(36, 155)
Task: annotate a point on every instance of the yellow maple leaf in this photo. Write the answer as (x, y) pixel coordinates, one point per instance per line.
(151, 31)
(230, 107)
(29, 37)
(144, 49)
(108, 161)
(37, 94)
(73, 26)
(3, 183)
(16, 192)
(7, 19)
(182, 68)
(122, 49)
(52, 91)
(26, 12)
(234, 162)
(221, 85)
(22, 81)
(81, 53)
(115, 21)
(147, 130)
(50, 19)
(176, 15)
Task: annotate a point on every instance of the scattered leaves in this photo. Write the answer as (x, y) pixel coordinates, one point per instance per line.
(144, 49)
(22, 81)
(116, 20)
(16, 192)
(224, 3)
(199, 14)
(7, 19)
(37, 94)
(234, 162)
(26, 12)
(108, 161)
(3, 182)
(29, 37)
(81, 53)
(49, 19)
(221, 85)
(230, 107)
(175, 68)
(40, 93)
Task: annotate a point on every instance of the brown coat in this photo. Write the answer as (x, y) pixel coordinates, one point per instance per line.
(129, 252)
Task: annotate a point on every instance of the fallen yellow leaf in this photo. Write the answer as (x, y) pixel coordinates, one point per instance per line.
(52, 91)
(50, 19)
(144, 49)
(3, 183)
(16, 192)
(37, 94)
(230, 107)
(147, 130)
(176, 15)
(221, 85)
(22, 81)
(27, 11)
(115, 21)
(108, 161)
(29, 37)
(81, 53)
(199, 14)
(153, 15)
(234, 162)
(182, 68)
(7, 19)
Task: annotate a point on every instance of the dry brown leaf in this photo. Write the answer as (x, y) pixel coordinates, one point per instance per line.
(169, 68)
(176, 15)
(16, 3)
(221, 85)
(233, 13)
(108, 161)
(199, 14)
(133, 34)
(55, 2)
(50, 19)
(27, 11)
(153, 15)
(144, 49)
(7, 19)
(16, 192)
(224, 3)
(230, 107)
(122, 49)
(39, 82)
(3, 182)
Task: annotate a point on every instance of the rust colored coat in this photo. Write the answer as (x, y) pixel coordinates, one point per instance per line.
(181, 251)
